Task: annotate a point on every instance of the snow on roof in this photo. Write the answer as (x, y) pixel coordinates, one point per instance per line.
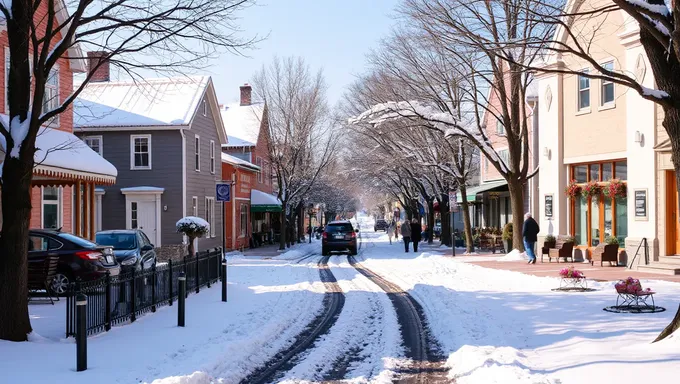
(532, 89)
(227, 158)
(61, 149)
(142, 189)
(151, 102)
(242, 123)
(262, 198)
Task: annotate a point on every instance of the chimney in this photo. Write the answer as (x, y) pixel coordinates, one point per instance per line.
(246, 93)
(102, 73)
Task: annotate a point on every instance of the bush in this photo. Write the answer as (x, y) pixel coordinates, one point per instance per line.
(550, 239)
(571, 239)
(507, 231)
(611, 240)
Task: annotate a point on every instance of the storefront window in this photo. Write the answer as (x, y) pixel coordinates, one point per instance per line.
(621, 170)
(607, 172)
(581, 221)
(621, 220)
(594, 223)
(580, 174)
(595, 172)
(608, 218)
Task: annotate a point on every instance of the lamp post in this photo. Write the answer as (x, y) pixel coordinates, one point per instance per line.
(310, 211)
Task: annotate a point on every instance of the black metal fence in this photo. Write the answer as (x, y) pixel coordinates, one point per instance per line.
(114, 300)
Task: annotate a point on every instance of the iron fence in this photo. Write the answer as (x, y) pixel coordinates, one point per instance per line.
(114, 300)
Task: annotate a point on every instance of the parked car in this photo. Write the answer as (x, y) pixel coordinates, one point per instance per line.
(132, 248)
(380, 225)
(339, 236)
(78, 257)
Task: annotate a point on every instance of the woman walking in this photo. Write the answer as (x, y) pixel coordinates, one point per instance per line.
(390, 230)
(415, 234)
(406, 233)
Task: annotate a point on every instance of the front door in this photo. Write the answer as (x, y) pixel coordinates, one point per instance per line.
(672, 232)
(143, 216)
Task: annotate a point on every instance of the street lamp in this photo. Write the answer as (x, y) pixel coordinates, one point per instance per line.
(310, 211)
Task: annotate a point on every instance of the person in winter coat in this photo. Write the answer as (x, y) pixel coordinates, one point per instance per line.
(415, 234)
(406, 233)
(390, 230)
(530, 231)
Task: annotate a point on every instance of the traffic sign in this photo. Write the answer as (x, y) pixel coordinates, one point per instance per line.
(223, 192)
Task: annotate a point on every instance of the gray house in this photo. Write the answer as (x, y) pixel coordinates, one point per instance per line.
(165, 137)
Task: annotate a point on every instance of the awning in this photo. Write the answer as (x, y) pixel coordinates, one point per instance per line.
(264, 202)
(489, 186)
(61, 155)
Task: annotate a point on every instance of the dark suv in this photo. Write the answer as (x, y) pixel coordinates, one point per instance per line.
(380, 225)
(339, 236)
(132, 248)
(78, 257)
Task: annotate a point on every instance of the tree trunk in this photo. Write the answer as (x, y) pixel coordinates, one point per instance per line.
(467, 225)
(430, 221)
(672, 327)
(16, 210)
(445, 237)
(190, 246)
(282, 237)
(517, 205)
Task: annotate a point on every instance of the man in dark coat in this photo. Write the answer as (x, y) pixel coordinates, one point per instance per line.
(415, 234)
(529, 232)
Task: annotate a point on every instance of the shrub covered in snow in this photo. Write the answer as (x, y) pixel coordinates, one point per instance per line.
(193, 227)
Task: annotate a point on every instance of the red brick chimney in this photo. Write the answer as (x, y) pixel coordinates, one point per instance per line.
(246, 94)
(102, 73)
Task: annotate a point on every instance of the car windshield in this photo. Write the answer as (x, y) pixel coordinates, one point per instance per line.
(332, 228)
(77, 240)
(119, 241)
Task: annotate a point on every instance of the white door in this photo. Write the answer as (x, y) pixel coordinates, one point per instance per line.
(143, 216)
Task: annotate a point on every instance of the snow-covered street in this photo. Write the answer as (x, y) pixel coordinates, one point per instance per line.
(491, 326)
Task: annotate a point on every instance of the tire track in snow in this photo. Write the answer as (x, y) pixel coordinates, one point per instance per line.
(333, 303)
(425, 366)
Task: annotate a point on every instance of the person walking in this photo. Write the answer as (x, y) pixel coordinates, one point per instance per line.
(406, 233)
(390, 230)
(415, 234)
(530, 231)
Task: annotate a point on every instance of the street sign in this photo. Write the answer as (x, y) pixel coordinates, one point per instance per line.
(223, 192)
(453, 201)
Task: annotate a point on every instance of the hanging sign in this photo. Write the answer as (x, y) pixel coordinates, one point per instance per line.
(223, 192)
(548, 205)
(640, 204)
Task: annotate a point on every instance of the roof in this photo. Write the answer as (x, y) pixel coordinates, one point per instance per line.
(62, 154)
(242, 123)
(233, 160)
(262, 198)
(158, 102)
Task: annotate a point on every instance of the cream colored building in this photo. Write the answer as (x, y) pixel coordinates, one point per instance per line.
(596, 130)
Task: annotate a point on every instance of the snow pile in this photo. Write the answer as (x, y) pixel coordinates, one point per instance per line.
(195, 378)
(193, 225)
(514, 255)
(491, 365)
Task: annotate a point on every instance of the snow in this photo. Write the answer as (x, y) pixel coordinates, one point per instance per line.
(262, 198)
(514, 255)
(227, 158)
(242, 123)
(151, 102)
(193, 223)
(18, 130)
(7, 4)
(142, 189)
(657, 93)
(661, 9)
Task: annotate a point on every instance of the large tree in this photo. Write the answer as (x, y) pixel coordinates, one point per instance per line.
(135, 35)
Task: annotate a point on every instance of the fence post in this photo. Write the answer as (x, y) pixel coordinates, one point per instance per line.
(107, 306)
(224, 279)
(181, 298)
(197, 276)
(81, 332)
(170, 282)
(133, 296)
(153, 287)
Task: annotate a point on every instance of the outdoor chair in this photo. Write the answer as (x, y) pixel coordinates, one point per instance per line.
(40, 275)
(605, 252)
(563, 249)
(547, 245)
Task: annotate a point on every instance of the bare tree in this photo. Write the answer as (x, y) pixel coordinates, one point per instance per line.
(163, 35)
(302, 133)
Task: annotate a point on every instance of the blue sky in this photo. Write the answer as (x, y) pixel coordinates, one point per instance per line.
(334, 35)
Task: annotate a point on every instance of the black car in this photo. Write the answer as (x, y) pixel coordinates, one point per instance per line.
(339, 236)
(78, 257)
(132, 248)
(380, 225)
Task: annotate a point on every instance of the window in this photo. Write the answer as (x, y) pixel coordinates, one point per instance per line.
(194, 205)
(210, 214)
(583, 91)
(133, 215)
(500, 127)
(51, 99)
(212, 156)
(205, 108)
(267, 175)
(140, 152)
(607, 91)
(486, 163)
(197, 153)
(258, 162)
(503, 155)
(244, 220)
(95, 143)
(51, 207)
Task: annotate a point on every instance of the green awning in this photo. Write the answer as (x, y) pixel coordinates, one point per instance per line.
(264, 202)
(265, 208)
(474, 190)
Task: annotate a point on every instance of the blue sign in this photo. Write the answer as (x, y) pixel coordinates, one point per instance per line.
(223, 192)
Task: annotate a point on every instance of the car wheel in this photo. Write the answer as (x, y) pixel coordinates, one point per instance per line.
(324, 252)
(353, 251)
(60, 283)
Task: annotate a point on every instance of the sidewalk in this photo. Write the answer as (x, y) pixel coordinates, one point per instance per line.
(596, 272)
(273, 249)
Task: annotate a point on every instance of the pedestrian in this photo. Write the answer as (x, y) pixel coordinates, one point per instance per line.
(529, 232)
(390, 230)
(415, 234)
(406, 233)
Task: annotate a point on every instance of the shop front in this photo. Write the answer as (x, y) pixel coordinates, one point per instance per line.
(265, 209)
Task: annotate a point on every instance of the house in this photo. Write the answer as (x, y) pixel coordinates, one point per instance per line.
(596, 131)
(247, 132)
(164, 135)
(66, 170)
(237, 215)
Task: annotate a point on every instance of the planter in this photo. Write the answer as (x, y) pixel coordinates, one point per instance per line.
(507, 244)
(549, 244)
